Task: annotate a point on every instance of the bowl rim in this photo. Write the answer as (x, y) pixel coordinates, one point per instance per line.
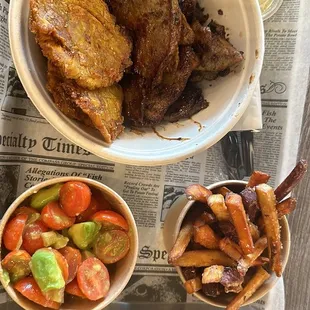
(285, 254)
(135, 237)
(103, 150)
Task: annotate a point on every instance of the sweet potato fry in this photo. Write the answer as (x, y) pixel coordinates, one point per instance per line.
(213, 274)
(205, 236)
(193, 285)
(260, 261)
(247, 261)
(291, 180)
(249, 200)
(267, 202)
(223, 191)
(286, 206)
(232, 280)
(254, 231)
(197, 192)
(258, 279)
(237, 213)
(217, 204)
(229, 230)
(231, 249)
(203, 258)
(182, 242)
(258, 177)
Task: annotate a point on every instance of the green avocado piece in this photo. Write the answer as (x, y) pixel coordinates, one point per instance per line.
(54, 240)
(47, 273)
(45, 195)
(5, 278)
(83, 234)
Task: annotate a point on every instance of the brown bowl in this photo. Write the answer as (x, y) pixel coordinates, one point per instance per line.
(123, 269)
(172, 226)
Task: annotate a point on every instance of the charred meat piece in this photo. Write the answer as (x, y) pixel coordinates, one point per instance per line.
(156, 26)
(212, 289)
(189, 103)
(100, 108)
(162, 96)
(81, 39)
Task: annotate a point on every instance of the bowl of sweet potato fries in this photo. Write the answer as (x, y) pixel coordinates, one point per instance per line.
(230, 241)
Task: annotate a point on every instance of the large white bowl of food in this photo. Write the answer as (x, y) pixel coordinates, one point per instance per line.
(136, 82)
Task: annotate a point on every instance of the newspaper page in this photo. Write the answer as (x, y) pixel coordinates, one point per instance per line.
(32, 151)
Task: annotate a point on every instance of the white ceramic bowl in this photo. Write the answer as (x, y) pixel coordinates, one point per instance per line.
(172, 226)
(123, 269)
(228, 97)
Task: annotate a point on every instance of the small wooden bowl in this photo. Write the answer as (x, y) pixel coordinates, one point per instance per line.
(172, 226)
(122, 270)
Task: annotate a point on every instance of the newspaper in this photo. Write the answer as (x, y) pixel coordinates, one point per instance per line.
(31, 151)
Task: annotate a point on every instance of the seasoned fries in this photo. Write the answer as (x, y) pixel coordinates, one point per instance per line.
(217, 205)
(193, 285)
(197, 192)
(220, 235)
(291, 180)
(205, 236)
(182, 242)
(237, 213)
(267, 202)
(258, 177)
(231, 249)
(203, 258)
(259, 278)
(212, 274)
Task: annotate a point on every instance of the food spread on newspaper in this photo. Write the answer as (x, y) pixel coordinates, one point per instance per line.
(32, 151)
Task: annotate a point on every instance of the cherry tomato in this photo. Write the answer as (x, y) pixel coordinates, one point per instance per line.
(13, 232)
(74, 260)
(74, 197)
(30, 289)
(93, 279)
(17, 264)
(89, 212)
(32, 239)
(62, 263)
(111, 246)
(25, 210)
(72, 288)
(110, 220)
(55, 218)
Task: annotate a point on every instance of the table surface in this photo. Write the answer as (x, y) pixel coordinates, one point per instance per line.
(297, 273)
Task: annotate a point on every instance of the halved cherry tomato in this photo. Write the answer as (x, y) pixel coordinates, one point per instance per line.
(62, 263)
(74, 197)
(55, 218)
(93, 279)
(74, 260)
(30, 289)
(110, 220)
(13, 232)
(32, 239)
(17, 264)
(72, 288)
(111, 246)
(89, 212)
(25, 210)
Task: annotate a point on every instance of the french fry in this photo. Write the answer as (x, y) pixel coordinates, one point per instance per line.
(208, 217)
(286, 206)
(260, 261)
(267, 202)
(205, 236)
(258, 279)
(258, 177)
(213, 274)
(231, 249)
(193, 285)
(237, 213)
(217, 204)
(291, 180)
(254, 231)
(182, 242)
(203, 258)
(249, 200)
(197, 192)
(223, 191)
(247, 261)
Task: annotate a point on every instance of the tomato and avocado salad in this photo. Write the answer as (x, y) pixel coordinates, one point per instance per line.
(59, 243)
